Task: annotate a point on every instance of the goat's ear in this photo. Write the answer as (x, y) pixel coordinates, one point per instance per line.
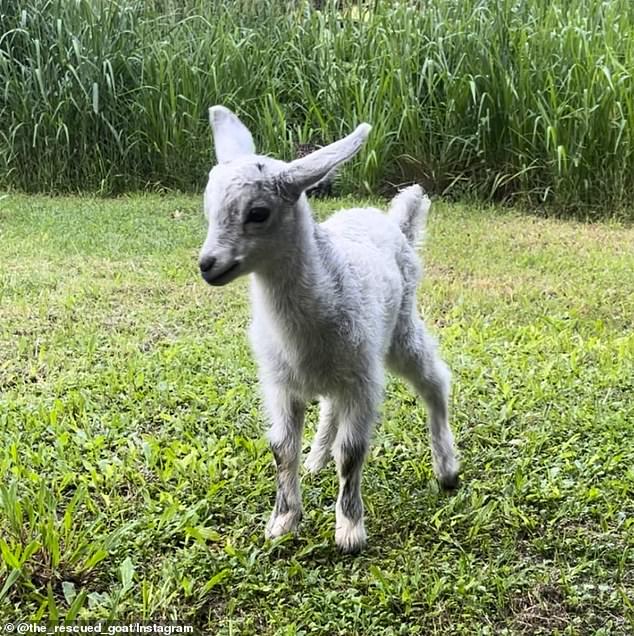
(232, 138)
(305, 172)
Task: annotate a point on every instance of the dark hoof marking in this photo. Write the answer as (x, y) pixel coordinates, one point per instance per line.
(352, 550)
(450, 482)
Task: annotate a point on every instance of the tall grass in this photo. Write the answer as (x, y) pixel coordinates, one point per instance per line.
(505, 100)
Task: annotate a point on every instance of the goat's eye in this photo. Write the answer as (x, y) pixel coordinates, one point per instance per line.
(258, 215)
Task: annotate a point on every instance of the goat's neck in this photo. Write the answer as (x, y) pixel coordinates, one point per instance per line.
(297, 285)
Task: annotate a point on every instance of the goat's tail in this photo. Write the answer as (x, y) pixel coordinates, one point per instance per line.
(409, 209)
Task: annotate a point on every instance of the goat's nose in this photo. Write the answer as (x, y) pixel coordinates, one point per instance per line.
(206, 263)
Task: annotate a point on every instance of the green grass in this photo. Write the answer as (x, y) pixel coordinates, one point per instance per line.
(135, 480)
(510, 100)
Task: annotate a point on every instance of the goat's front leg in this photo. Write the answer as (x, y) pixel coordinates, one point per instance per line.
(285, 437)
(349, 450)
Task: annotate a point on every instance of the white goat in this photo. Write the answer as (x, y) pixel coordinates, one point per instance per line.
(332, 304)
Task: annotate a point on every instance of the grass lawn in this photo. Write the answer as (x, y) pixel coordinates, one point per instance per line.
(135, 480)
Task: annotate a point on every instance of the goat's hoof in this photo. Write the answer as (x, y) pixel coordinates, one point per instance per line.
(449, 482)
(350, 537)
(279, 525)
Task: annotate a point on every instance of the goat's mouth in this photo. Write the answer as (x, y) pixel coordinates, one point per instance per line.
(223, 277)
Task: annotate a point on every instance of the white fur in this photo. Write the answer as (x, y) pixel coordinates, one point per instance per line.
(333, 303)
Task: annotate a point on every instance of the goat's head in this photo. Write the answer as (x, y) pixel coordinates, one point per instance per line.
(250, 199)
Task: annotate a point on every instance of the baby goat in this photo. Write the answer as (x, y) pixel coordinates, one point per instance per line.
(333, 303)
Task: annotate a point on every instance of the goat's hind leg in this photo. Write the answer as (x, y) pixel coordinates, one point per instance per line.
(285, 437)
(413, 355)
(321, 447)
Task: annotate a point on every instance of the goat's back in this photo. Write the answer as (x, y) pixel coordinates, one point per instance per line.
(373, 239)
(383, 265)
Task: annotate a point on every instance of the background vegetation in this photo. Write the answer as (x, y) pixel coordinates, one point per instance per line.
(135, 479)
(512, 99)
